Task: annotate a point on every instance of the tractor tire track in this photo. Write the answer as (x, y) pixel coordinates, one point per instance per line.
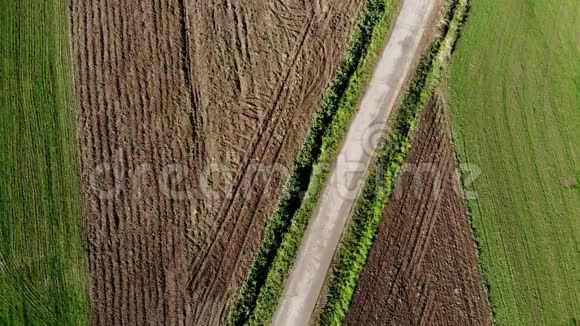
(422, 268)
(157, 85)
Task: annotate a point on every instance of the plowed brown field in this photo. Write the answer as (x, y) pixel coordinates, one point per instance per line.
(189, 113)
(422, 268)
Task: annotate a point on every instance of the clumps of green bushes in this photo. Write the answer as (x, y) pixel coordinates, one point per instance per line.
(259, 294)
(354, 249)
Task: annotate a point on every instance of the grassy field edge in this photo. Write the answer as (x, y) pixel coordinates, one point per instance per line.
(514, 102)
(264, 283)
(42, 263)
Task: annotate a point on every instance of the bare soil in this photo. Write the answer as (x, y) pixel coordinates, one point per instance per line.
(422, 268)
(189, 116)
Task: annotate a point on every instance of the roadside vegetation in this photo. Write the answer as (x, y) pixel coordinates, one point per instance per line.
(514, 94)
(354, 248)
(259, 295)
(42, 272)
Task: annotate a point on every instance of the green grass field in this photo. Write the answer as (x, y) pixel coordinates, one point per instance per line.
(515, 101)
(42, 273)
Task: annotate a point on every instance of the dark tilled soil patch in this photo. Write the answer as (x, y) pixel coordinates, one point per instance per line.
(189, 115)
(422, 268)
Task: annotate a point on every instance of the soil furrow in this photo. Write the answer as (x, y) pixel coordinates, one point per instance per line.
(155, 99)
(423, 252)
(264, 130)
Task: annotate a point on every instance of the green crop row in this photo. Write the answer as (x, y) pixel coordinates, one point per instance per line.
(353, 250)
(42, 263)
(265, 280)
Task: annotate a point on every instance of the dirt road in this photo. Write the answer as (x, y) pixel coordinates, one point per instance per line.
(322, 236)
